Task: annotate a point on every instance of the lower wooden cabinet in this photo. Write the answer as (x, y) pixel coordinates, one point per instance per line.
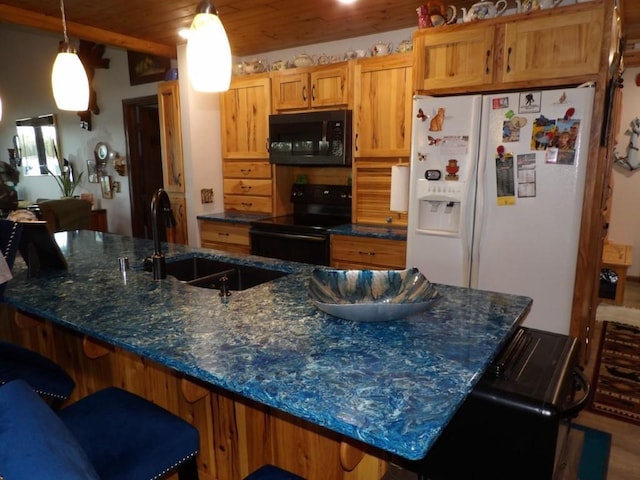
(99, 220)
(367, 253)
(228, 236)
(179, 233)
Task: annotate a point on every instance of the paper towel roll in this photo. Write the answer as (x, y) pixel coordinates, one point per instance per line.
(399, 188)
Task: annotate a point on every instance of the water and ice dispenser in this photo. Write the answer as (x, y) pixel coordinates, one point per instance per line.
(439, 206)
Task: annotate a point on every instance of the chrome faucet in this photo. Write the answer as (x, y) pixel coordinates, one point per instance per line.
(160, 203)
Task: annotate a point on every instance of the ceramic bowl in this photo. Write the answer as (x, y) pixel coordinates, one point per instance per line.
(371, 295)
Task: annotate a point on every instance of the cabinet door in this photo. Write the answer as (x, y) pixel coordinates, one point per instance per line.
(231, 237)
(382, 106)
(290, 90)
(330, 86)
(458, 57)
(363, 252)
(171, 137)
(179, 233)
(550, 47)
(372, 193)
(245, 110)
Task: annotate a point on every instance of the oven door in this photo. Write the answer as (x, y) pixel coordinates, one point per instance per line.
(297, 247)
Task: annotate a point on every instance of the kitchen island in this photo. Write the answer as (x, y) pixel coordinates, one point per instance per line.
(268, 378)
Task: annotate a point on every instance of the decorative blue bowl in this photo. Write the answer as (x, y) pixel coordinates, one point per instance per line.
(371, 295)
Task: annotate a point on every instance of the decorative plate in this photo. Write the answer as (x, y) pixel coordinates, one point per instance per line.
(101, 152)
(371, 295)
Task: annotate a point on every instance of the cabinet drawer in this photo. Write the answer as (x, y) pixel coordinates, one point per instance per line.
(347, 251)
(246, 169)
(223, 232)
(248, 203)
(239, 186)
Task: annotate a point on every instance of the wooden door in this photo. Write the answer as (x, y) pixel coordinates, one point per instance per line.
(290, 90)
(330, 86)
(142, 130)
(171, 136)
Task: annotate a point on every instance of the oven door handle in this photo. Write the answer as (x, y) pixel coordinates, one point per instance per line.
(577, 406)
(288, 236)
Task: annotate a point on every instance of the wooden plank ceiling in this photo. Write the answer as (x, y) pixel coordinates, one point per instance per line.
(253, 26)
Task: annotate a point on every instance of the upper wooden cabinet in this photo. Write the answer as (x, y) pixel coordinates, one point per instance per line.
(382, 106)
(171, 136)
(554, 46)
(458, 57)
(311, 87)
(245, 110)
(548, 47)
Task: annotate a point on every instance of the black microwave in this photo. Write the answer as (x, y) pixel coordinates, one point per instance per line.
(310, 138)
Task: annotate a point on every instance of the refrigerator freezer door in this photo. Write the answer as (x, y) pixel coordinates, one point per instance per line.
(445, 140)
(526, 243)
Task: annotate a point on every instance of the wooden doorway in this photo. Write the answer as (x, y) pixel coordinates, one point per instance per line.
(142, 132)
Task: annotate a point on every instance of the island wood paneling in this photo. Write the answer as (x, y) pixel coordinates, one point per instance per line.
(236, 435)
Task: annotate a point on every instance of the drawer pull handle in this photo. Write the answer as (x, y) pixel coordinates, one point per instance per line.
(223, 234)
(371, 254)
(247, 204)
(245, 171)
(245, 188)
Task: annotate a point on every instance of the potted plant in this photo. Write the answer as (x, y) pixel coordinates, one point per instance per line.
(66, 180)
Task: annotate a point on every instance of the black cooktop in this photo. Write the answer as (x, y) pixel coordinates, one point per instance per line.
(303, 221)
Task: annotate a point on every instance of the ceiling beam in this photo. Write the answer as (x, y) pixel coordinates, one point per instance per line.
(54, 24)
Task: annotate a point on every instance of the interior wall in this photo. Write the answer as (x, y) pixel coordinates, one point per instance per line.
(624, 226)
(26, 57)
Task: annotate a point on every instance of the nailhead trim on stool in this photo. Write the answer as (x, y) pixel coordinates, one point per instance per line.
(129, 438)
(270, 472)
(44, 376)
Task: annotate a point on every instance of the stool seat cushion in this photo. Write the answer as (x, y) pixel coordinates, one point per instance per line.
(44, 376)
(270, 472)
(127, 437)
(35, 443)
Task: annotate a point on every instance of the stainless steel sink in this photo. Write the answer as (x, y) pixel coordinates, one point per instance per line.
(209, 273)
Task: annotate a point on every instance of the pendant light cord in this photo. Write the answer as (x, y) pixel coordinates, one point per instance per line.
(64, 22)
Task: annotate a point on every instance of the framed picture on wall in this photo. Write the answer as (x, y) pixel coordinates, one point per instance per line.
(105, 186)
(146, 68)
(92, 172)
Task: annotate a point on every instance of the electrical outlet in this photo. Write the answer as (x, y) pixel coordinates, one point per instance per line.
(206, 195)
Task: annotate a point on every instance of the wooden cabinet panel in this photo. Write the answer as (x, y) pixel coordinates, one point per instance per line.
(365, 252)
(459, 57)
(550, 47)
(382, 106)
(231, 237)
(311, 87)
(372, 193)
(171, 136)
(179, 233)
(246, 169)
(240, 186)
(99, 220)
(245, 110)
(248, 203)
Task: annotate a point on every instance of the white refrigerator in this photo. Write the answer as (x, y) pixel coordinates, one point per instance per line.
(495, 198)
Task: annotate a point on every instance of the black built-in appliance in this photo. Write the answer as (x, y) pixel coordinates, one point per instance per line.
(310, 138)
(516, 421)
(303, 236)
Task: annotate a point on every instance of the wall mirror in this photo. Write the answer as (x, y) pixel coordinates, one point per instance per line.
(39, 145)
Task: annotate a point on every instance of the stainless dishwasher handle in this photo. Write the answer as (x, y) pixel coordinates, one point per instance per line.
(288, 236)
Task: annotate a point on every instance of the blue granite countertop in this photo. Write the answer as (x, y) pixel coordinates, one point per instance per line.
(234, 217)
(374, 231)
(393, 385)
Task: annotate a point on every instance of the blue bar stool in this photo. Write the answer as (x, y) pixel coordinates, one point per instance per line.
(270, 472)
(45, 377)
(129, 438)
(111, 434)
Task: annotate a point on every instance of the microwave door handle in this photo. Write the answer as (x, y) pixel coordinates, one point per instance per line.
(324, 130)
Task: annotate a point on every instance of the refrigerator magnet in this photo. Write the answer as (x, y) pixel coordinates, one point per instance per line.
(505, 183)
(526, 175)
(529, 102)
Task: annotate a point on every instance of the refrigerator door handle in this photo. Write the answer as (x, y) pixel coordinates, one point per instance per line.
(479, 216)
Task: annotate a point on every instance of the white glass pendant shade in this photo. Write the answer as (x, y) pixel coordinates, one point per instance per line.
(69, 81)
(0, 109)
(208, 54)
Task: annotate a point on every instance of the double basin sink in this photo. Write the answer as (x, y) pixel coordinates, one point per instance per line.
(206, 272)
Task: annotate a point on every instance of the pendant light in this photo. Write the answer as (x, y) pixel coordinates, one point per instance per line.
(208, 51)
(68, 76)
(0, 109)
